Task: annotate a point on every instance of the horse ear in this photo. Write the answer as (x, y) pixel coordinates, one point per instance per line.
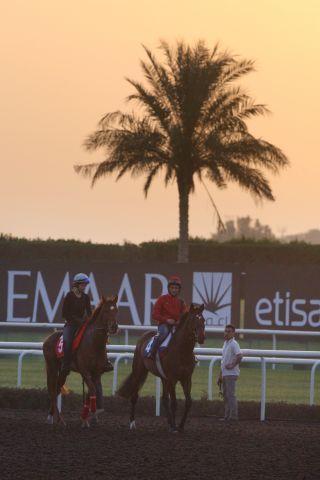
(191, 309)
(201, 308)
(115, 298)
(103, 298)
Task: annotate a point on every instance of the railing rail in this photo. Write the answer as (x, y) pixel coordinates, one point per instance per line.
(247, 331)
(262, 356)
(197, 350)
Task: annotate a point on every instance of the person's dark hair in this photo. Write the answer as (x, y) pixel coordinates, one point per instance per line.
(233, 328)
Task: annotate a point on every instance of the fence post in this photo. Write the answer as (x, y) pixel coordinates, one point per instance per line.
(158, 392)
(210, 377)
(312, 380)
(274, 347)
(59, 403)
(263, 389)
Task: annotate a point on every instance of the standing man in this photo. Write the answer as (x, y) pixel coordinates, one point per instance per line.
(230, 371)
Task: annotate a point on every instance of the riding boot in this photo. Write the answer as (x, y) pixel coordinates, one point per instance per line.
(154, 348)
(108, 367)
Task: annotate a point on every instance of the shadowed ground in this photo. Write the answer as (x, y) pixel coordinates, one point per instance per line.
(209, 449)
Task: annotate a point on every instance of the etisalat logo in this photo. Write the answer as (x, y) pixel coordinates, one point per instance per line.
(214, 290)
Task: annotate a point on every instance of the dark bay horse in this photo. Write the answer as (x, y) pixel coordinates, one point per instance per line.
(88, 360)
(177, 364)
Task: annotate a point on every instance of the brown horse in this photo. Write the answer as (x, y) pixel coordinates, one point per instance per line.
(177, 364)
(88, 360)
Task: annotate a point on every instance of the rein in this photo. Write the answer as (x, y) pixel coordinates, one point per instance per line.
(190, 332)
(94, 317)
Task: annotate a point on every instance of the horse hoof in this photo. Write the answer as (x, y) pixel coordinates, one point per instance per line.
(133, 425)
(85, 424)
(174, 430)
(94, 420)
(49, 420)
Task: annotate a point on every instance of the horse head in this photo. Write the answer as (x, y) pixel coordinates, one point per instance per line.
(196, 322)
(105, 314)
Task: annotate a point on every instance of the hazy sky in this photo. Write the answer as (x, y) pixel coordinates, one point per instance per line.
(63, 66)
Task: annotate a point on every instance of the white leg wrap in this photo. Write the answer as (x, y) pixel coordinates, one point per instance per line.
(133, 425)
(85, 424)
(49, 420)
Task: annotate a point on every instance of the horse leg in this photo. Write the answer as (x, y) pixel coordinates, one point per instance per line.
(130, 387)
(186, 385)
(52, 381)
(52, 392)
(165, 403)
(139, 374)
(90, 405)
(134, 398)
(99, 399)
(173, 405)
(61, 381)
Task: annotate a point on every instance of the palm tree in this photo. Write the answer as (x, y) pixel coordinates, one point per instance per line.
(191, 125)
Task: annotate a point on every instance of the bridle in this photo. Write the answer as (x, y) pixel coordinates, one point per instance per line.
(106, 328)
(198, 320)
(192, 324)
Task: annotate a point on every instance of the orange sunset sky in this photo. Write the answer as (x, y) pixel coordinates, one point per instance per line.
(63, 66)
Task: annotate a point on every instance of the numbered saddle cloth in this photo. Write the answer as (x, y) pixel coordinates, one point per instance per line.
(76, 341)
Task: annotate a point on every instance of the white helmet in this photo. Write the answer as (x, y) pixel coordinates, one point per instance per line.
(81, 278)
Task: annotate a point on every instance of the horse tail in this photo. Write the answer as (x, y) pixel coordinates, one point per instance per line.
(135, 380)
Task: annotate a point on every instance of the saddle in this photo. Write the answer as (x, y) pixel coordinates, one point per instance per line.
(76, 341)
(163, 347)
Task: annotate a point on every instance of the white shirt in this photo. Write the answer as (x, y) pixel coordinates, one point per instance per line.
(229, 352)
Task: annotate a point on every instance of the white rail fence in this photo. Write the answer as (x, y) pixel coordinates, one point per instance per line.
(211, 355)
(142, 328)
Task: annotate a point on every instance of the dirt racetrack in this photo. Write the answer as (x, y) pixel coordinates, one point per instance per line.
(209, 449)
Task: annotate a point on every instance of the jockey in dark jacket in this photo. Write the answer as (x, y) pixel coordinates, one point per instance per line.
(167, 312)
(75, 307)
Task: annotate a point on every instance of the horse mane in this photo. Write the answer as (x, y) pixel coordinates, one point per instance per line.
(95, 313)
(182, 320)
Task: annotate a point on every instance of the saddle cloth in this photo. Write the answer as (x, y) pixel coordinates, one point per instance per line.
(76, 341)
(164, 345)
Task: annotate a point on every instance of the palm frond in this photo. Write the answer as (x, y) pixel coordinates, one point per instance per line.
(220, 227)
(86, 170)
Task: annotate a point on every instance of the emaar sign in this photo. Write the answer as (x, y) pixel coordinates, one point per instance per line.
(35, 294)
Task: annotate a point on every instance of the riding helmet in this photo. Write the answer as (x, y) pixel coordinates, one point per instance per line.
(174, 280)
(81, 278)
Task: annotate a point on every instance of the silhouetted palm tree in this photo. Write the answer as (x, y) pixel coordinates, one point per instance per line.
(192, 125)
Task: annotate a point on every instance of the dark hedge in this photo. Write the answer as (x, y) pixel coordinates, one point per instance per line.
(201, 250)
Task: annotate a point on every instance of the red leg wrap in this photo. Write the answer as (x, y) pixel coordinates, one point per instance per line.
(93, 404)
(85, 411)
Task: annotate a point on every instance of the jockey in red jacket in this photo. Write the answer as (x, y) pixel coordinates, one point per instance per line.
(167, 312)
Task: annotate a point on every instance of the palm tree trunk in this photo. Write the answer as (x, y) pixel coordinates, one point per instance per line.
(183, 246)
